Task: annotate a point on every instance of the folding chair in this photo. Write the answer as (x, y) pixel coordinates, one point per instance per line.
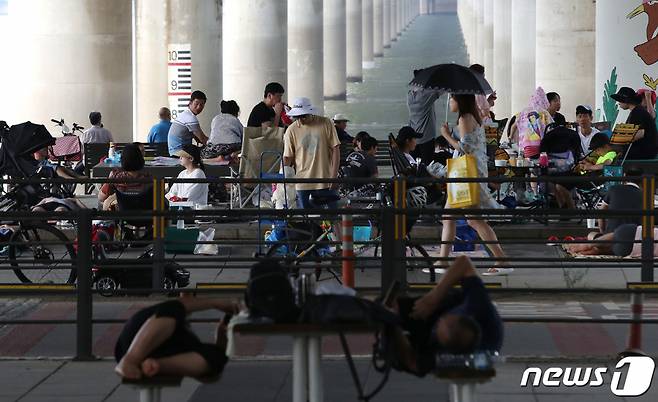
(261, 154)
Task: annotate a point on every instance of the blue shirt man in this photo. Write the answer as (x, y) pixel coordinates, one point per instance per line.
(160, 131)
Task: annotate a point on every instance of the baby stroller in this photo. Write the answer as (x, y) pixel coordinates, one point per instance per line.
(563, 147)
(18, 144)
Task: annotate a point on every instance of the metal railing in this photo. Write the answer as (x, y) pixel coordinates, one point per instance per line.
(392, 219)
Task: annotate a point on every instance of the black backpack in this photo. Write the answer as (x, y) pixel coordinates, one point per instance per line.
(270, 294)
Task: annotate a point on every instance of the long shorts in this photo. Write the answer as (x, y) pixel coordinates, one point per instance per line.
(183, 340)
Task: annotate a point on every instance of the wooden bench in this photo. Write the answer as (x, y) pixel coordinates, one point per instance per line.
(150, 388)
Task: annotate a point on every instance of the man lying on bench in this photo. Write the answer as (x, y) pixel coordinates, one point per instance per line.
(448, 321)
(158, 340)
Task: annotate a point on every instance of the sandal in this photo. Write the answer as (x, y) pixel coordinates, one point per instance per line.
(552, 241)
(496, 271)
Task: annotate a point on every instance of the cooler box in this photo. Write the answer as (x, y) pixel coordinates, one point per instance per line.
(180, 241)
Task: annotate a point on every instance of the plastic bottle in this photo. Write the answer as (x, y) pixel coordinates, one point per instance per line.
(180, 223)
(543, 159)
(110, 151)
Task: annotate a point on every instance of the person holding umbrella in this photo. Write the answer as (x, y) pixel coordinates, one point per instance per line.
(464, 84)
(471, 140)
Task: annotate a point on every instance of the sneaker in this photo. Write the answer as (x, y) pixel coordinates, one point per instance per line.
(439, 271)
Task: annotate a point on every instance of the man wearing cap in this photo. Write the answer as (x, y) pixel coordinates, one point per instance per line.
(644, 144)
(340, 122)
(585, 129)
(312, 147)
(186, 125)
(96, 134)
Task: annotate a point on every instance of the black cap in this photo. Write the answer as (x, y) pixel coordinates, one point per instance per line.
(583, 109)
(626, 95)
(407, 133)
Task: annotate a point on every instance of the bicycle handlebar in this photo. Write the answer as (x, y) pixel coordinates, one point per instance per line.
(58, 122)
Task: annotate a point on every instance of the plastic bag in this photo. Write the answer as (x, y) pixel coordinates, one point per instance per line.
(206, 249)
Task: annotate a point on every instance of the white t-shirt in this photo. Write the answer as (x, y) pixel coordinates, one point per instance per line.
(585, 140)
(193, 192)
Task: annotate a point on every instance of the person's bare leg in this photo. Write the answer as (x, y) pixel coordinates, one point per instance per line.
(190, 364)
(448, 234)
(487, 234)
(152, 334)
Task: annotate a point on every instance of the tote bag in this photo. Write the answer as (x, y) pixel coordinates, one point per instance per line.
(463, 195)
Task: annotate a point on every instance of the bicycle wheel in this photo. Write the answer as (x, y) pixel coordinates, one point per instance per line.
(282, 251)
(416, 259)
(36, 259)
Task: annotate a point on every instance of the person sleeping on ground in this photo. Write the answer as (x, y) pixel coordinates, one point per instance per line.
(446, 320)
(158, 340)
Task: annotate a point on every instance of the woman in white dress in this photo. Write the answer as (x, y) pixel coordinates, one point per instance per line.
(190, 159)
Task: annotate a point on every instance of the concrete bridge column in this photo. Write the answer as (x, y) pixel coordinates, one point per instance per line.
(245, 74)
(378, 28)
(488, 38)
(386, 23)
(394, 20)
(565, 53)
(424, 6)
(367, 33)
(623, 52)
(74, 57)
(481, 33)
(334, 39)
(197, 22)
(523, 52)
(354, 41)
(465, 23)
(502, 73)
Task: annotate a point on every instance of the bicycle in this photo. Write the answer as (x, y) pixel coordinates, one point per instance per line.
(37, 252)
(299, 244)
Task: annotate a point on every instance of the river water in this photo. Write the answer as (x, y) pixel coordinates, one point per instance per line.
(378, 104)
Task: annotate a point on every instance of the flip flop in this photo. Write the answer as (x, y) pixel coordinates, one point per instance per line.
(498, 272)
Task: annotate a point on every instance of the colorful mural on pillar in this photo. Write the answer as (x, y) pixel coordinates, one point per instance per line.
(627, 41)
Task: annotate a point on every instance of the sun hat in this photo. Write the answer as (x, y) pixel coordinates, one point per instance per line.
(340, 117)
(626, 95)
(301, 106)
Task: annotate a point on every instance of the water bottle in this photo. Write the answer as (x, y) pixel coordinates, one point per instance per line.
(180, 223)
(110, 151)
(543, 159)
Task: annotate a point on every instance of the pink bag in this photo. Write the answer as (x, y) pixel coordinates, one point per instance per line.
(66, 148)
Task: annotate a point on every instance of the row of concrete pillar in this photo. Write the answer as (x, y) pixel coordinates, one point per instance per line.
(312, 47)
(528, 43)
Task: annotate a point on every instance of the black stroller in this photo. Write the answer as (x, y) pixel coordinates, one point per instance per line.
(31, 252)
(18, 145)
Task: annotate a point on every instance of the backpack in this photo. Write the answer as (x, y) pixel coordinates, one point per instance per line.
(270, 294)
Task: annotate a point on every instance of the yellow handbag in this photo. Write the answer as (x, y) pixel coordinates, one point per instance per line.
(463, 195)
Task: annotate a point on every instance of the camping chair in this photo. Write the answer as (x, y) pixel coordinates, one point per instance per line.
(93, 154)
(135, 201)
(622, 138)
(261, 150)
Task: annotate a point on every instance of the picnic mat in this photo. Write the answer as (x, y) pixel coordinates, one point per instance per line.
(568, 254)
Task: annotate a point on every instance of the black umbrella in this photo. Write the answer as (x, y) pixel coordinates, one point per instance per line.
(452, 78)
